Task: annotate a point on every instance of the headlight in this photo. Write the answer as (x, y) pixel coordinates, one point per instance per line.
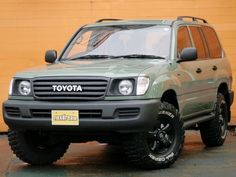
(11, 87)
(125, 87)
(24, 88)
(142, 85)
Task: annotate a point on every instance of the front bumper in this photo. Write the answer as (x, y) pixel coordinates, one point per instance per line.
(114, 116)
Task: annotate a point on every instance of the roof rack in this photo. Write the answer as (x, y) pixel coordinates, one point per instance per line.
(107, 19)
(193, 18)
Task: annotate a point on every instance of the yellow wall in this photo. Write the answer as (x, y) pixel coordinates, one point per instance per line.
(29, 27)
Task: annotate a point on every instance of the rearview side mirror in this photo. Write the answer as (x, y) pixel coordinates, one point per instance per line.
(50, 56)
(188, 54)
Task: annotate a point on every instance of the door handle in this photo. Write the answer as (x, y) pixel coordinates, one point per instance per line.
(198, 70)
(214, 68)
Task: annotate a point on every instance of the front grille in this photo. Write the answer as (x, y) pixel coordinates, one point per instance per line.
(13, 112)
(83, 114)
(127, 112)
(92, 88)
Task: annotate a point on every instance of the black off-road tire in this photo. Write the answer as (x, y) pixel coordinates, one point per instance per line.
(214, 132)
(137, 146)
(25, 148)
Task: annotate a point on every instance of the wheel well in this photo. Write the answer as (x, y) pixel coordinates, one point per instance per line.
(170, 97)
(223, 88)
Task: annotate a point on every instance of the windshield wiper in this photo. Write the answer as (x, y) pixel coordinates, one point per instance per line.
(142, 56)
(91, 57)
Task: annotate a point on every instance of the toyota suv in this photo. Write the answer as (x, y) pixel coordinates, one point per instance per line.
(135, 83)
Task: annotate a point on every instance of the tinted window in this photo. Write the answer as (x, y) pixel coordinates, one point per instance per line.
(212, 42)
(198, 41)
(183, 40)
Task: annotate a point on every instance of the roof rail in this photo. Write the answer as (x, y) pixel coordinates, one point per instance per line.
(107, 19)
(193, 18)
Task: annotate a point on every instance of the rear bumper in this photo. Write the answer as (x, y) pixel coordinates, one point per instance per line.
(109, 120)
(231, 97)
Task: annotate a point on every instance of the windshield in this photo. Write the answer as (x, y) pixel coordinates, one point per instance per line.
(115, 41)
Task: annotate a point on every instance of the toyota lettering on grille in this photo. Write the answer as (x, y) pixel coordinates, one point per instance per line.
(67, 88)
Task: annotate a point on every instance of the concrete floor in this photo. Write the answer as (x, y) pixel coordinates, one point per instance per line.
(100, 160)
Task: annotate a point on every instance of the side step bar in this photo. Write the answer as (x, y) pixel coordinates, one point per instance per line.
(197, 120)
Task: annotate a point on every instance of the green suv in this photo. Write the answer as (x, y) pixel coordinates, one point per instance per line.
(135, 83)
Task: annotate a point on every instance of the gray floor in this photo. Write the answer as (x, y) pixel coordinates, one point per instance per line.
(100, 160)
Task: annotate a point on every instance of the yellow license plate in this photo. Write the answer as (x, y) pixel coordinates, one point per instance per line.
(65, 117)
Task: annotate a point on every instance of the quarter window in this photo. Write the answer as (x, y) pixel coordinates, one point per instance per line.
(183, 39)
(198, 41)
(212, 42)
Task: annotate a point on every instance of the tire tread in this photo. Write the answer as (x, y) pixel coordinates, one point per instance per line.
(136, 153)
(20, 149)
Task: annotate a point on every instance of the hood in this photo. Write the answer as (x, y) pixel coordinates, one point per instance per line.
(101, 67)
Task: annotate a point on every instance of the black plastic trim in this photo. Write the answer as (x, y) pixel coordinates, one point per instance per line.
(108, 122)
(231, 97)
(191, 17)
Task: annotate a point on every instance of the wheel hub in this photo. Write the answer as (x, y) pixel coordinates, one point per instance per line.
(161, 138)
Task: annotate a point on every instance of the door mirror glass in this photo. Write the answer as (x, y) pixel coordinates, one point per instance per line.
(50, 56)
(188, 54)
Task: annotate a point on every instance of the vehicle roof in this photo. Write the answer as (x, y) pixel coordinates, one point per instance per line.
(113, 22)
(132, 22)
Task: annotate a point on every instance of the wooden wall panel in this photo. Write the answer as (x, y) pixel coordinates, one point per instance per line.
(28, 28)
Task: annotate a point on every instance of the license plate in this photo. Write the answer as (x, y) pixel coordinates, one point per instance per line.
(65, 117)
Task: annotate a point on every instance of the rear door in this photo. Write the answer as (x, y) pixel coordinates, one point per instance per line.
(216, 63)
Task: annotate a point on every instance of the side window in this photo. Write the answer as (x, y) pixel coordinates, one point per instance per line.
(183, 39)
(198, 41)
(212, 42)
